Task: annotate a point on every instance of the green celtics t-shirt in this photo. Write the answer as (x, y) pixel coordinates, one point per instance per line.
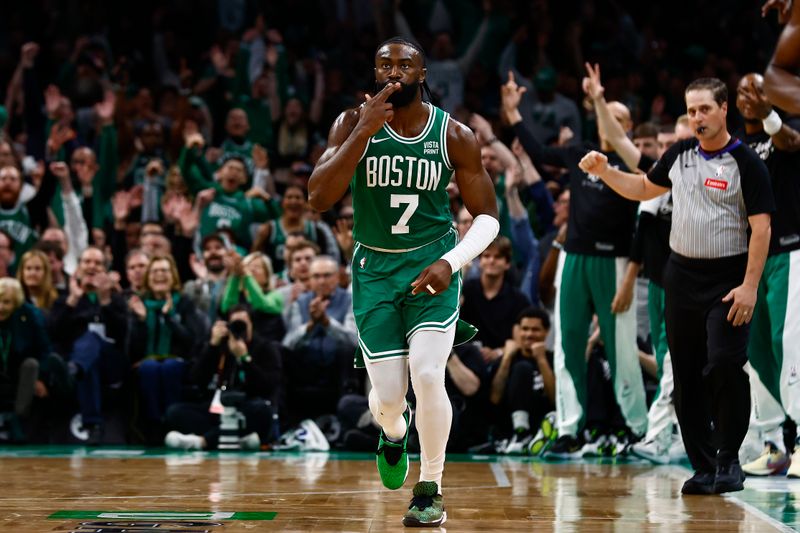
(235, 212)
(399, 187)
(17, 224)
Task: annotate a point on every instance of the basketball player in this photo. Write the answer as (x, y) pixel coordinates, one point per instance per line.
(781, 82)
(397, 154)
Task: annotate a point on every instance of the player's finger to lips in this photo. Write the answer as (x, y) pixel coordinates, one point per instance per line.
(386, 91)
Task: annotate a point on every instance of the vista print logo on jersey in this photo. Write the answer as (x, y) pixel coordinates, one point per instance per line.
(431, 148)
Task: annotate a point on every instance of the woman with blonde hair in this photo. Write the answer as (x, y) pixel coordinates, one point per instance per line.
(166, 331)
(250, 281)
(35, 275)
(24, 345)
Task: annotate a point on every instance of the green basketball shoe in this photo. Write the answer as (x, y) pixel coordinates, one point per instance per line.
(427, 506)
(392, 458)
(545, 437)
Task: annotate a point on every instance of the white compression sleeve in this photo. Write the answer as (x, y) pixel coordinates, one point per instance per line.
(427, 358)
(483, 231)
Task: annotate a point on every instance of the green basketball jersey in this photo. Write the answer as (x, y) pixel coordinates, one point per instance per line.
(399, 187)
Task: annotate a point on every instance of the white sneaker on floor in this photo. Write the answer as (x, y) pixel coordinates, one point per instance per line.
(652, 450)
(250, 442)
(595, 448)
(771, 462)
(518, 445)
(183, 441)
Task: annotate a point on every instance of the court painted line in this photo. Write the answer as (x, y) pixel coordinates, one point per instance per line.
(682, 473)
(229, 495)
(116, 453)
(773, 484)
(750, 508)
(500, 475)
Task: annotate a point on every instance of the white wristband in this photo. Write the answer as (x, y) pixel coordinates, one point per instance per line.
(480, 235)
(772, 124)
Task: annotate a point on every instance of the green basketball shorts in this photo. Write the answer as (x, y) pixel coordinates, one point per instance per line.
(386, 312)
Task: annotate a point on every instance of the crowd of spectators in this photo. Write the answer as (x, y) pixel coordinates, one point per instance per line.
(155, 239)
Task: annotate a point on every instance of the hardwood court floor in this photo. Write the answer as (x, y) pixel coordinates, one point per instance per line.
(44, 490)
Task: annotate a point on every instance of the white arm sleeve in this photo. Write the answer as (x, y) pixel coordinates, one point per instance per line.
(75, 229)
(480, 235)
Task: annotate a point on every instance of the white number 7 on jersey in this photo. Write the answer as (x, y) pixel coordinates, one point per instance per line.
(396, 200)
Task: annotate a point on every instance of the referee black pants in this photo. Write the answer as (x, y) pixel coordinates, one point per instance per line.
(712, 390)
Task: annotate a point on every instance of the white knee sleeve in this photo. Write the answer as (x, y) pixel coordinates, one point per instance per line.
(387, 399)
(428, 353)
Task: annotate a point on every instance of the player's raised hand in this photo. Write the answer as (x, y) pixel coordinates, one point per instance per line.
(594, 163)
(433, 280)
(376, 111)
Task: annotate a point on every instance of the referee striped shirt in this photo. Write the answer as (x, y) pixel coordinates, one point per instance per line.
(713, 194)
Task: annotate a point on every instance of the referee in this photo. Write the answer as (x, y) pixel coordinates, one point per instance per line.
(719, 187)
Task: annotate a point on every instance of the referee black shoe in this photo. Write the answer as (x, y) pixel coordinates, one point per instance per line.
(730, 478)
(699, 483)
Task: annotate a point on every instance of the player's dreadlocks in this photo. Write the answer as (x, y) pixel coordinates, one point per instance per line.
(426, 91)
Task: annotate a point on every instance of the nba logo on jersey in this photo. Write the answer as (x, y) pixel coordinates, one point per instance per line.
(720, 171)
(362, 262)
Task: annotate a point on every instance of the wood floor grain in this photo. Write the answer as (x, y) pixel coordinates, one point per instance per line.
(316, 493)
